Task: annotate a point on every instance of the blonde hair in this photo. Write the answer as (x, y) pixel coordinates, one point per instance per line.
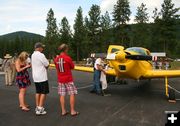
(23, 57)
(63, 47)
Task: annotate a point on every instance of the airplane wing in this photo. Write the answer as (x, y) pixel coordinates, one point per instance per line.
(110, 71)
(84, 69)
(162, 73)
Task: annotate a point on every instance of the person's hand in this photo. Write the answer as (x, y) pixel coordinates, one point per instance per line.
(28, 66)
(104, 71)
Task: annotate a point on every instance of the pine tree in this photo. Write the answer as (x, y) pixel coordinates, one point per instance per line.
(106, 21)
(141, 15)
(79, 32)
(167, 24)
(168, 11)
(154, 34)
(121, 12)
(106, 34)
(51, 37)
(141, 29)
(66, 35)
(87, 39)
(156, 14)
(121, 15)
(65, 31)
(94, 27)
(163, 31)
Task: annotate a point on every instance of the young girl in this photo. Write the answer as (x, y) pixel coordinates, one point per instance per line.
(22, 78)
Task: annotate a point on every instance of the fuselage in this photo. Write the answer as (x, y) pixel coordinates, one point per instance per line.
(127, 68)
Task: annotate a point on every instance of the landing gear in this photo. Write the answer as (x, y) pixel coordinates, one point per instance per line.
(172, 96)
(170, 93)
(122, 82)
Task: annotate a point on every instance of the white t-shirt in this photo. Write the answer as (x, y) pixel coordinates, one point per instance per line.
(39, 64)
(97, 62)
(28, 61)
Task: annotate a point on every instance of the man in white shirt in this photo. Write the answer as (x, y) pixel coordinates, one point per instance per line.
(97, 73)
(39, 74)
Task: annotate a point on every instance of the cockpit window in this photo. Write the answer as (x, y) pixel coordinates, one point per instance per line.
(138, 50)
(114, 50)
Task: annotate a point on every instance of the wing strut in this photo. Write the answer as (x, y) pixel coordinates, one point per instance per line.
(166, 86)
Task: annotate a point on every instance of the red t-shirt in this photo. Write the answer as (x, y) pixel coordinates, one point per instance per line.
(64, 64)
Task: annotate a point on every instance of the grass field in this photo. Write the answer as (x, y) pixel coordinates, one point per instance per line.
(175, 65)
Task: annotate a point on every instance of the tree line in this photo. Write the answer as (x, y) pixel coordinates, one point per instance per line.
(96, 31)
(17, 42)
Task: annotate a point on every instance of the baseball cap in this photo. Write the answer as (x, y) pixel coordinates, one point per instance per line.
(39, 45)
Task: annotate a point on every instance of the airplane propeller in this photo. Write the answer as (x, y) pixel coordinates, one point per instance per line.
(138, 57)
(122, 55)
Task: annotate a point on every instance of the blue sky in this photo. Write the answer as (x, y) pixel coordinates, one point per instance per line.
(30, 15)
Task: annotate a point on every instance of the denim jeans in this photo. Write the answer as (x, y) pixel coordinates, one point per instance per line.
(96, 85)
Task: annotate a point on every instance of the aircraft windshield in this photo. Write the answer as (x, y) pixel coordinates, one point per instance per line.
(114, 50)
(138, 50)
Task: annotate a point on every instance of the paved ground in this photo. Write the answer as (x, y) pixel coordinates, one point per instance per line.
(130, 105)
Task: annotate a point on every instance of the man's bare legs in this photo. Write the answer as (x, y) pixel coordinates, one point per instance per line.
(72, 104)
(40, 98)
(62, 102)
(37, 99)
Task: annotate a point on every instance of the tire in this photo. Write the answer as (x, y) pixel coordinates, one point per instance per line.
(172, 94)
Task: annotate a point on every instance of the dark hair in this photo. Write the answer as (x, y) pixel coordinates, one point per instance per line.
(63, 47)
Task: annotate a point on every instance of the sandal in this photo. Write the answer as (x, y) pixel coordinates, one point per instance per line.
(25, 109)
(27, 106)
(64, 114)
(75, 114)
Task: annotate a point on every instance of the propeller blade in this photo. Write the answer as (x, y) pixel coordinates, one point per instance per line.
(138, 57)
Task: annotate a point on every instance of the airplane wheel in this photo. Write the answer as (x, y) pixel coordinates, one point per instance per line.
(122, 82)
(125, 82)
(172, 95)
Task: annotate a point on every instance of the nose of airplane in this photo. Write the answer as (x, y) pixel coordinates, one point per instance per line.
(121, 55)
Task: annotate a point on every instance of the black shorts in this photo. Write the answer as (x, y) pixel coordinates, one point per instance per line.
(42, 87)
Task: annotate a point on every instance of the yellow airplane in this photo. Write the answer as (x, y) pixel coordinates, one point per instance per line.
(134, 63)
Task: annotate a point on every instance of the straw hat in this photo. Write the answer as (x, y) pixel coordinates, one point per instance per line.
(7, 56)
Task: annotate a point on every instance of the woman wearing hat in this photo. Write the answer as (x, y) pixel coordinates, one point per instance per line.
(7, 67)
(22, 78)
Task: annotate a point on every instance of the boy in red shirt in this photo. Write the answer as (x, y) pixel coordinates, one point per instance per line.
(64, 65)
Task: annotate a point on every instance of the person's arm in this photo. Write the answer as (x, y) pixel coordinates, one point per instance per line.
(101, 68)
(71, 63)
(55, 61)
(19, 69)
(44, 61)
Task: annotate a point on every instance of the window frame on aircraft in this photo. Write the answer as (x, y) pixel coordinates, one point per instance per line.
(139, 50)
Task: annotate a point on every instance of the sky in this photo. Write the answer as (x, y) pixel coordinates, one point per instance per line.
(30, 15)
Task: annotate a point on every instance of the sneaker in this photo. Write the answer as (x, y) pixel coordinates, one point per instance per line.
(92, 91)
(41, 112)
(36, 109)
(99, 93)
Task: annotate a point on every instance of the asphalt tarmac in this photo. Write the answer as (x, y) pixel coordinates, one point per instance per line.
(135, 104)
